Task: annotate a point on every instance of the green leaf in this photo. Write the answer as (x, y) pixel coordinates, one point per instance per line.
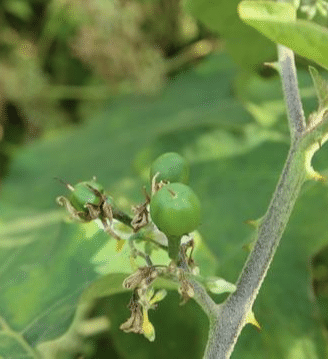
(277, 21)
(267, 10)
(13, 345)
(319, 267)
(114, 267)
(45, 265)
(263, 98)
(74, 339)
(105, 286)
(52, 262)
(321, 86)
(221, 16)
(107, 145)
(181, 331)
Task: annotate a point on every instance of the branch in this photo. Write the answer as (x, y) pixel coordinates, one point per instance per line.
(233, 316)
(287, 68)
(235, 312)
(203, 299)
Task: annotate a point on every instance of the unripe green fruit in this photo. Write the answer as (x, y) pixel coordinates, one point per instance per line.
(175, 209)
(83, 194)
(171, 167)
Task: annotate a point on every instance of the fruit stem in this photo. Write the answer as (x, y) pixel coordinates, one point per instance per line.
(174, 247)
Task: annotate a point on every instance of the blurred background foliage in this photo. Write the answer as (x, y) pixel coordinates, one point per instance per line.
(102, 87)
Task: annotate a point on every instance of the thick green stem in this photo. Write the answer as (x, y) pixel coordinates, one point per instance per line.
(174, 247)
(227, 322)
(232, 317)
(291, 92)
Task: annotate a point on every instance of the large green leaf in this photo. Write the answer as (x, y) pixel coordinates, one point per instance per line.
(321, 87)
(107, 145)
(46, 263)
(245, 45)
(278, 22)
(181, 331)
(52, 262)
(263, 98)
(233, 190)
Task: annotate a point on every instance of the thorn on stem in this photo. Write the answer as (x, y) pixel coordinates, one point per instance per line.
(273, 65)
(253, 222)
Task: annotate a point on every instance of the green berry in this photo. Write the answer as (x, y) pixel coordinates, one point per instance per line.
(84, 193)
(171, 168)
(175, 209)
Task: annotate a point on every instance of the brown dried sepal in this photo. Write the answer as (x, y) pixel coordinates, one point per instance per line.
(186, 289)
(134, 323)
(142, 278)
(141, 213)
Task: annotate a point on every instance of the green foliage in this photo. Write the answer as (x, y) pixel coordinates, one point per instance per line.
(233, 186)
(321, 87)
(51, 268)
(262, 98)
(201, 109)
(278, 22)
(286, 291)
(19, 8)
(243, 43)
(175, 326)
(76, 254)
(47, 262)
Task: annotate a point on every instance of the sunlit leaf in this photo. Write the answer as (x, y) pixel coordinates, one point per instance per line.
(243, 43)
(277, 21)
(321, 86)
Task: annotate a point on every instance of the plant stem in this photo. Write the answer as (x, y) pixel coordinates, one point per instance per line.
(230, 318)
(174, 247)
(122, 217)
(291, 92)
(227, 325)
(200, 294)
(201, 297)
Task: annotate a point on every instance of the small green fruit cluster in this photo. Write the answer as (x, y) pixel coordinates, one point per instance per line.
(174, 208)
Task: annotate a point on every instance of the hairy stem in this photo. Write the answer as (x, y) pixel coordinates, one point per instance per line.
(230, 318)
(290, 87)
(203, 299)
(227, 325)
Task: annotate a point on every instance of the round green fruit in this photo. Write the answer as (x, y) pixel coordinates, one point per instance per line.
(85, 192)
(175, 209)
(171, 168)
